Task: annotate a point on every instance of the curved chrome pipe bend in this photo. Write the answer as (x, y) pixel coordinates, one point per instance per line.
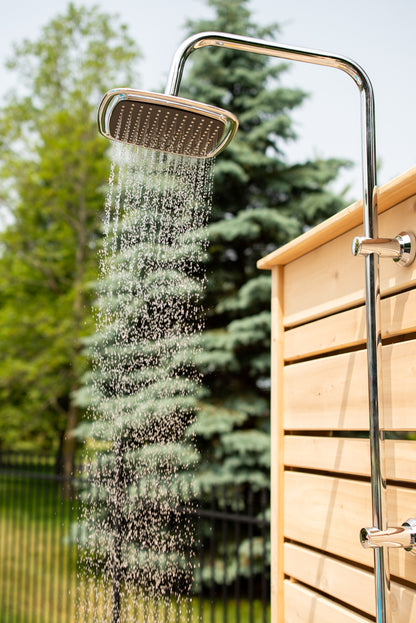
(314, 57)
(370, 219)
(259, 46)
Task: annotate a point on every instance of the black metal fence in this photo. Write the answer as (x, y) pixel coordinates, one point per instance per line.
(41, 571)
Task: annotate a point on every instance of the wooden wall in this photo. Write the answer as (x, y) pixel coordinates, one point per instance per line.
(321, 494)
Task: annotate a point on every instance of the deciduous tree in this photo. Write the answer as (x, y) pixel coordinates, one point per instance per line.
(53, 171)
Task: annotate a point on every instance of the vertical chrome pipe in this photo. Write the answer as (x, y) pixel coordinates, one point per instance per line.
(372, 280)
(374, 359)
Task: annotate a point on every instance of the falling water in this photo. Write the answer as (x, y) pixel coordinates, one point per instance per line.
(136, 541)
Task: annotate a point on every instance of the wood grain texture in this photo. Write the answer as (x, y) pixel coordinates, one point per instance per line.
(318, 504)
(330, 279)
(328, 513)
(349, 584)
(350, 456)
(305, 606)
(331, 393)
(347, 329)
(277, 450)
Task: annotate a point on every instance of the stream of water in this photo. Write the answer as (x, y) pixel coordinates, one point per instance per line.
(136, 541)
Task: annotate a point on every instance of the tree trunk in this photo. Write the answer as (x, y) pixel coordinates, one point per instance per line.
(69, 443)
(69, 446)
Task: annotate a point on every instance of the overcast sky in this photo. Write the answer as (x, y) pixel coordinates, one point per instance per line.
(378, 34)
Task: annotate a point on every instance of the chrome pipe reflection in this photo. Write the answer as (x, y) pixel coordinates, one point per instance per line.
(401, 249)
(370, 217)
(403, 536)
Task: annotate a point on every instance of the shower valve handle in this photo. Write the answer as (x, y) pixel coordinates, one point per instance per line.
(402, 248)
(404, 536)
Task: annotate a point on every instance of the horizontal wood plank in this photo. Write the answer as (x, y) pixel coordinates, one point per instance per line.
(336, 332)
(331, 393)
(331, 454)
(330, 279)
(350, 584)
(348, 328)
(305, 606)
(328, 513)
(350, 456)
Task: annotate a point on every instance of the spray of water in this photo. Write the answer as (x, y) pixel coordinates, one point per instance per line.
(136, 540)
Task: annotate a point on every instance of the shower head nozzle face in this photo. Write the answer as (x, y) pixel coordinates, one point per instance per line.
(165, 122)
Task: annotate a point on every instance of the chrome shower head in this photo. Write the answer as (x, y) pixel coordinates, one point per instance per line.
(165, 122)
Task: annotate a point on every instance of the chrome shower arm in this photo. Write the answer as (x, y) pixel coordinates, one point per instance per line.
(370, 222)
(259, 46)
(314, 57)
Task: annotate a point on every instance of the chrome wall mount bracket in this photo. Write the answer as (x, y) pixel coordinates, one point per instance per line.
(404, 536)
(401, 249)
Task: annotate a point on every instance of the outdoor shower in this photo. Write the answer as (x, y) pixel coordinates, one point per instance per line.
(173, 124)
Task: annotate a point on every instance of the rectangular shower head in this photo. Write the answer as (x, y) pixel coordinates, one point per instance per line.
(165, 122)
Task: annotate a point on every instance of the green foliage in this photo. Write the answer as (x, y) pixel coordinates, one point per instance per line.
(260, 203)
(52, 175)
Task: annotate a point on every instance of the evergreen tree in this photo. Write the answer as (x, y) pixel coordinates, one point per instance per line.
(260, 202)
(53, 171)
